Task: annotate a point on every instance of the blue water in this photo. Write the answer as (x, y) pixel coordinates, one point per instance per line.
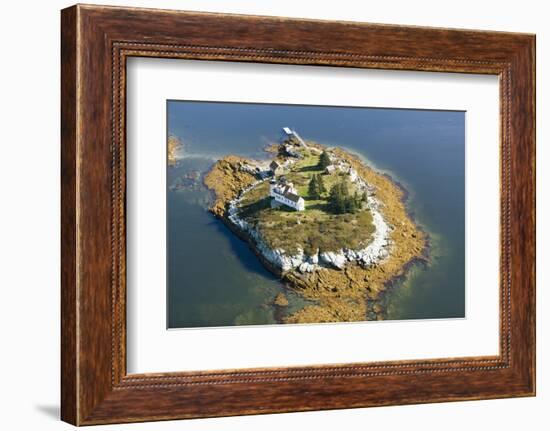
(215, 280)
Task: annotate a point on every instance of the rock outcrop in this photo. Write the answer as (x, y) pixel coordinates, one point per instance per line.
(280, 300)
(174, 148)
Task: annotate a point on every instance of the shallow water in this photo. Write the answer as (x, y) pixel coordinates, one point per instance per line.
(214, 279)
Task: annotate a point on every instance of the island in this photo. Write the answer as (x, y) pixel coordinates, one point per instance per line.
(333, 228)
(174, 147)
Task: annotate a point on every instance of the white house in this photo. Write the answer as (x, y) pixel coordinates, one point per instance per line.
(285, 193)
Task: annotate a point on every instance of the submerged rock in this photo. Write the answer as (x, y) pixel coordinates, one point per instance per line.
(280, 300)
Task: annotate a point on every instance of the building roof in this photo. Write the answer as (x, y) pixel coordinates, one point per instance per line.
(287, 192)
(291, 196)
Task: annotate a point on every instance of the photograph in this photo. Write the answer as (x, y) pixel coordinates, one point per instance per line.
(275, 215)
(306, 214)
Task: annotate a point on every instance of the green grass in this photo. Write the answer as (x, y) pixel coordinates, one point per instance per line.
(316, 227)
(315, 231)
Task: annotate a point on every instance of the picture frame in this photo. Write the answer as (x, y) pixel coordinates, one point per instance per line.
(96, 42)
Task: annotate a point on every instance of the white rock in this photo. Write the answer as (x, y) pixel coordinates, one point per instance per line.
(337, 260)
(306, 267)
(314, 259)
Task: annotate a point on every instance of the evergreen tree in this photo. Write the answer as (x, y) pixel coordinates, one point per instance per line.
(316, 187)
(324, 160)
(344, 188)
(321, 185)
(337, 198)
(341, 201)
(313, 187)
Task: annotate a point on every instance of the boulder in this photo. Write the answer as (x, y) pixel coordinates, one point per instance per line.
(314, 259)
(306, 267)
(336, 260)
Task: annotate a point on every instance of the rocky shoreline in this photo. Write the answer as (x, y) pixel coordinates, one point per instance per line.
(339, 282)
(374, 252)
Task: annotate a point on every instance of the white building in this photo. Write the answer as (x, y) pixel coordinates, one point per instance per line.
(285, 193)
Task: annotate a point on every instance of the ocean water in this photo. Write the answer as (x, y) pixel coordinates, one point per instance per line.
(214, 279)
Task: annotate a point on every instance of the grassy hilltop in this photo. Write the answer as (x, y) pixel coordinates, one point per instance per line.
(318, 227)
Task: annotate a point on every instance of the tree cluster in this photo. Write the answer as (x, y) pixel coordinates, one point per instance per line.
(341, 201)
(316, 187)
(324, 161)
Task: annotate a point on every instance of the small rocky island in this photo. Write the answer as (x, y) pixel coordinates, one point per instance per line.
(333, 229)
(175, 146)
